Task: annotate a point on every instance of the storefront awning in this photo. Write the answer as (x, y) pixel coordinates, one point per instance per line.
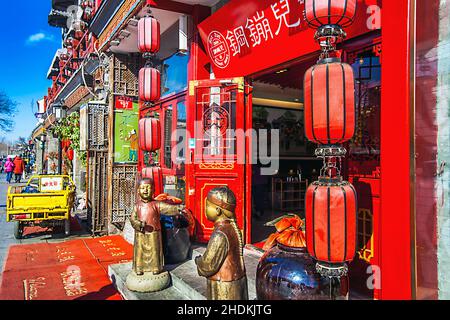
(104, 15)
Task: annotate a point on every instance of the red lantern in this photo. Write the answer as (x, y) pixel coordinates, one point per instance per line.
(330, 12)
(154, 173)
(149, 84)
(329, 100)
(148, 35)
(331, 217)
(70, 154)
(149, 134)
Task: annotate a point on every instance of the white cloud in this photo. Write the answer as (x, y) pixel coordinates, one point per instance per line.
(38, 37)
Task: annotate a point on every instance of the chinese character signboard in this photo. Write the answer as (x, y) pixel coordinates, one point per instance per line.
(51, 184)
(126, 118)
(123, 103)
(245, 37)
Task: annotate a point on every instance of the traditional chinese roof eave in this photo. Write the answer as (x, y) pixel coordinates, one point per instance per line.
(76, 80)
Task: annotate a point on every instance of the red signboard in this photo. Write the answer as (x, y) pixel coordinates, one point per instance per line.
(124, 103)
(245, 37)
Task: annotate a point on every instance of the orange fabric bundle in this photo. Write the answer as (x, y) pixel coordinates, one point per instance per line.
(170, 199)
(289, 233)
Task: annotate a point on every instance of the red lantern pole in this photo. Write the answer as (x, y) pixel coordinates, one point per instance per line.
(331, 203)
(150, 92)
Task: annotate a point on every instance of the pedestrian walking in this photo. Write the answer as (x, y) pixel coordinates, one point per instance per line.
(19, 168)
(9, 168)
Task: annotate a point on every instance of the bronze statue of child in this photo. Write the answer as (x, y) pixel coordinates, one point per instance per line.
(148, 261)
(223, 262)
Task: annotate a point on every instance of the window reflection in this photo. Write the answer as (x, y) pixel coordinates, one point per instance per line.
(174, 74)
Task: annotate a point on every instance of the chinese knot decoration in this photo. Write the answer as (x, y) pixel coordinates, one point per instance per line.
(331, 202)
(149, 44)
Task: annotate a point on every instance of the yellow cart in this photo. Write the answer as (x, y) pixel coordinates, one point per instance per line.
(45, 201)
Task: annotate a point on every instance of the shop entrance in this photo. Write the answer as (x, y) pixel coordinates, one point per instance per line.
(217, 156)
(278, 105)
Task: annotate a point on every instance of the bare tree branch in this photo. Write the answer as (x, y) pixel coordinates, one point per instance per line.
(8, 109)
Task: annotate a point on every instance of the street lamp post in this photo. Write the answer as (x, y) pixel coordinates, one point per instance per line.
(43, 138)
(60, 112)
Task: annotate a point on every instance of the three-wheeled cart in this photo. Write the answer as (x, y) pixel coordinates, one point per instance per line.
(45, 201)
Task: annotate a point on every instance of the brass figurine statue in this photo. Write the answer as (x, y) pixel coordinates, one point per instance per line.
(223, 262)
(148, 261)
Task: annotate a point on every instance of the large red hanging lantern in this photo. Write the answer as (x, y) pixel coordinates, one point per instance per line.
(149, 84)
(148, 35)
(331, 223)
(149, 134)
(329, 101)
(154, 173)
(330, 12)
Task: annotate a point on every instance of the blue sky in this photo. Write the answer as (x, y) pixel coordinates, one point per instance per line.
(28, 45)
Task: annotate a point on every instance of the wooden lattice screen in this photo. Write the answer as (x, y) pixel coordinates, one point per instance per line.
(126, 73)
(97, 192)
(123, 192)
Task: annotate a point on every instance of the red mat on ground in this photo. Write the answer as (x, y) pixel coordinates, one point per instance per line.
(76, 269)
(86, 281)
(110, 249)
(22, 257)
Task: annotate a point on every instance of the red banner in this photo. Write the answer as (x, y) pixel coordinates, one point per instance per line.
(123, 103)
(245, 37)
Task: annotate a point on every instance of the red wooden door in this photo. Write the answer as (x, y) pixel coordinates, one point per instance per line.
(217, 109)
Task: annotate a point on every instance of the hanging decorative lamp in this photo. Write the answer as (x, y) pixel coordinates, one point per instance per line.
(148, 35)
(149, 134)
(330, 12)
(149, 84)
(329, 17)
(331, 217)
(329, 101)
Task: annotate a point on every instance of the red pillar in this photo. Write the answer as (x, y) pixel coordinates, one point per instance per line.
(396, 150)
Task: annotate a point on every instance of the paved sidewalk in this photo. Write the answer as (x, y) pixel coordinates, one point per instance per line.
(7, 229)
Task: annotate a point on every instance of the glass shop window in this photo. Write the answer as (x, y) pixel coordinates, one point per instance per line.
(181, 136)
(174, 74)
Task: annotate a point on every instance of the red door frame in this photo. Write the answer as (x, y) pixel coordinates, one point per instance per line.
(239, 172)
(397, 150)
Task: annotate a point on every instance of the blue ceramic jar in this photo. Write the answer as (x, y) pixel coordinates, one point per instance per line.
(286, 273)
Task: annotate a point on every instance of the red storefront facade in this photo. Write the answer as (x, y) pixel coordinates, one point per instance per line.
(250, 57)
(383, 185)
